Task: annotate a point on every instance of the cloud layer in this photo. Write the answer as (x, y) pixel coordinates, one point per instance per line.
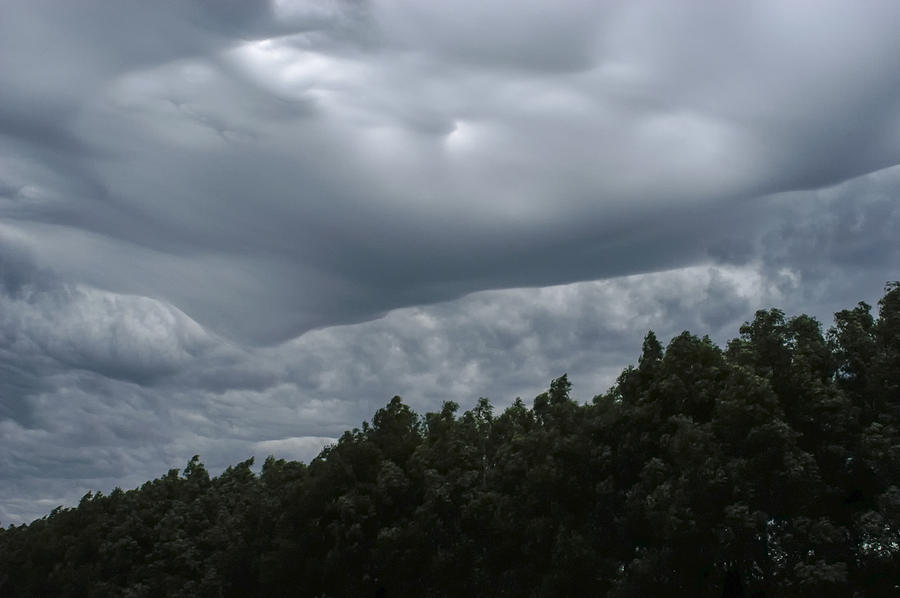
(326, 162)
(238, 227)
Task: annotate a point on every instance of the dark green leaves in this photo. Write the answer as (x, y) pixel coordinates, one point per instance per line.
(771, 468)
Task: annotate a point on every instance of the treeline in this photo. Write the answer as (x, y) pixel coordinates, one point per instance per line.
(769, 468)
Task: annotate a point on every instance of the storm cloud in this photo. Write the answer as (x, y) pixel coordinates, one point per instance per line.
(236, 228)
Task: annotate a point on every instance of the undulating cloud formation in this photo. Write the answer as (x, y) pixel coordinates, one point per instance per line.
(236, 228)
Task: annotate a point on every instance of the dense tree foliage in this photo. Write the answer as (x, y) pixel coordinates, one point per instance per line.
(769, 468)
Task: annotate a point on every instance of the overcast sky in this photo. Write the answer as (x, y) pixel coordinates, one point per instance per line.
(237, 228)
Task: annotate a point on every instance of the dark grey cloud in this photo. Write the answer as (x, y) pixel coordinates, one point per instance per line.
(327, 161)
(236, 228)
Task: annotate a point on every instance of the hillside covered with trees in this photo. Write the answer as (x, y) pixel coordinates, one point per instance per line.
(770, 467)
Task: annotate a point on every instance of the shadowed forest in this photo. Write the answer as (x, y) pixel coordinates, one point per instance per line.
(769, 468)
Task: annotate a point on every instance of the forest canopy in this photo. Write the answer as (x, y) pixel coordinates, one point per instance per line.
(770, 467)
